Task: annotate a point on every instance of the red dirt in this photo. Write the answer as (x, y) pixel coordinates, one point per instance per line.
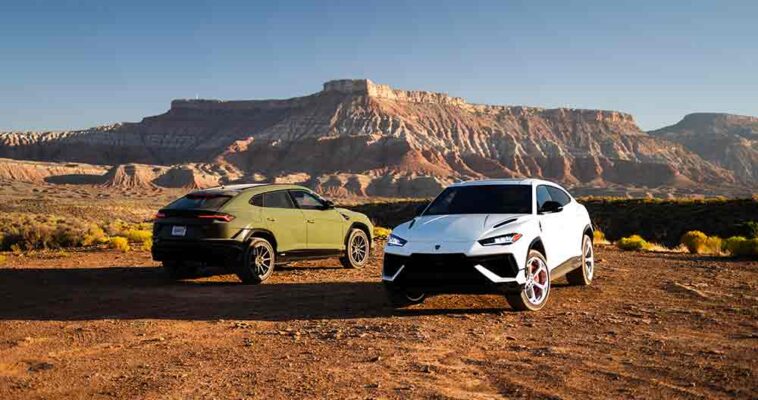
(108, 325)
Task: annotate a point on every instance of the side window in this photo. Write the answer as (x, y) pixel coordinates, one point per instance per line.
(559, 195)
(257, 200)
(278, 199)
(306, 201)
(542, 196)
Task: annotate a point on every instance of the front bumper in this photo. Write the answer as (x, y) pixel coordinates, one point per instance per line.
(221, 251)
(453, 272)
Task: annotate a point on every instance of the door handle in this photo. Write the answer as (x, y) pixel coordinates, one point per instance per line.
(270, 219)
(310, 221)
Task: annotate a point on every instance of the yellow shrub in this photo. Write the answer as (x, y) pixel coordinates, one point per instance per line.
(119, 243)
(598, 237)
(2, 258)
(139, 236)
(741, 247)
(95, 235)
(381, 233)
(712, 245)
(695, 241)
(634, 242)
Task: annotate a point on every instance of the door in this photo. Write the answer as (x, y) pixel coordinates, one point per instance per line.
(324, 225)
(284, 220)
(571, 228)
(551, 230)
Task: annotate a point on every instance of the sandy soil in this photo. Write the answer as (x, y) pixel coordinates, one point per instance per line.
(108, 325)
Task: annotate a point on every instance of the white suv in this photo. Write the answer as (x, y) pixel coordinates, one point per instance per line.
(514, 236)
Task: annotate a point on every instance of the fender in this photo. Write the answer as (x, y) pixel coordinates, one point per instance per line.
(362, 227)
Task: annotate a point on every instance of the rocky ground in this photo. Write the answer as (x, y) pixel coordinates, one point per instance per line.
(108, 325)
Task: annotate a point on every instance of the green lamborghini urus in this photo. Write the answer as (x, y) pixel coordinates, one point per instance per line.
(249, 229)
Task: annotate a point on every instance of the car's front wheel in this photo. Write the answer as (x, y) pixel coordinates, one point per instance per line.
(583, 275)
(258, 262)
(536, 290)
(357, 249)
(403, 297)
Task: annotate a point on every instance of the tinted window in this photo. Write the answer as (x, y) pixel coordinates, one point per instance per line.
(542, 196)
(483, 199)
(279, 199)
(257, 200)
(558, 195)
(199, 202)
(306, 201)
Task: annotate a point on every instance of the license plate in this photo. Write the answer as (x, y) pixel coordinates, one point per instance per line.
(178, 230)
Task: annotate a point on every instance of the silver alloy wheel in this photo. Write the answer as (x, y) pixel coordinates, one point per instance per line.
(537, 281)
(418, 297)
(261, 259)
(589, 259)
(358, 249)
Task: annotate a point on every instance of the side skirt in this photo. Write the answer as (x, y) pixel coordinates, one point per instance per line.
(566, 267)
(309, 254)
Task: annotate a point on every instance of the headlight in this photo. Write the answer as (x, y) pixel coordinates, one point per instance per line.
(396, 241)
(501, 240)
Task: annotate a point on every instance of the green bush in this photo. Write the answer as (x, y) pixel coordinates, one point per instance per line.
(741, 247)
(694, 241)
(119, 243)
(634, 242)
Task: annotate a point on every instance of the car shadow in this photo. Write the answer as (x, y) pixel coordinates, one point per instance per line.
(72, 294)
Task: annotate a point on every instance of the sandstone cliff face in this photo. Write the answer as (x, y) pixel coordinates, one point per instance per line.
(357, 137)
(728, 140)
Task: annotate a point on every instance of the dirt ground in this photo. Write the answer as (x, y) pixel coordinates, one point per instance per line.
(109, 325)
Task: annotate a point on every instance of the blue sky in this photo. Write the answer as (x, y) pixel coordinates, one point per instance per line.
(75, 64)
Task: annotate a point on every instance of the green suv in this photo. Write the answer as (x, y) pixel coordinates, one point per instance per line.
(251, 228)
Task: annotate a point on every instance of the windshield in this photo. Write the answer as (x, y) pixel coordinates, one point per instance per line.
(199, 201)
(483, 199)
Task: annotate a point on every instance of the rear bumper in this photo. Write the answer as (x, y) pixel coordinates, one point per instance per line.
(453, 273)
(217, 251)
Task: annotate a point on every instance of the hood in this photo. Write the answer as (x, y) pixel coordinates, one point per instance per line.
(464, 227)
(353, 215)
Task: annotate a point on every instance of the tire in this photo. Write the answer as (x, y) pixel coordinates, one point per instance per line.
(400, 297)
(533, 296)
(583, 275)
(357, 249)
(257, 263)
(177, 270)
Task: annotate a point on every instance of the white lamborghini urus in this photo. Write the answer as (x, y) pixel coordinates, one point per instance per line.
(508, 236)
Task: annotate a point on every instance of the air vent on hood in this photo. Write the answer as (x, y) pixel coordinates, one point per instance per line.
(506, 222)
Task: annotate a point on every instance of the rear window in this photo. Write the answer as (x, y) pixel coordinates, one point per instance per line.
(200, 202)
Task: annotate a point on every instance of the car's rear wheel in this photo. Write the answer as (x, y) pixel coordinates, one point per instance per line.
(177, 270)
(536, 290)
(258, 262)
(357, 250)
(403, 297)
(583, 275)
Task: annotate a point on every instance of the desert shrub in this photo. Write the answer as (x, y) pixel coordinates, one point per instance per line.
(598, 237)
(694, 241)
(634, 242)
(713, 245)
(750, 228)
(31, 231)
(138, 235)
(381, 233)
(95, 235)
(741, 247)
(2, 258)
(119, 243)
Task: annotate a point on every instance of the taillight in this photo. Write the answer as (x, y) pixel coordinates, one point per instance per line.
(159, 215)
(218, 217)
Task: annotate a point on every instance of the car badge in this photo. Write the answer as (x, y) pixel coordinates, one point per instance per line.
(436, 247)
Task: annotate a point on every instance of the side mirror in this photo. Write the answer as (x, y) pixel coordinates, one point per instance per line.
(328, 204)
(420, 209)
(550, 207)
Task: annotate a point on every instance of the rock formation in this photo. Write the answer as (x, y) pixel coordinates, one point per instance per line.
(359, 138)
